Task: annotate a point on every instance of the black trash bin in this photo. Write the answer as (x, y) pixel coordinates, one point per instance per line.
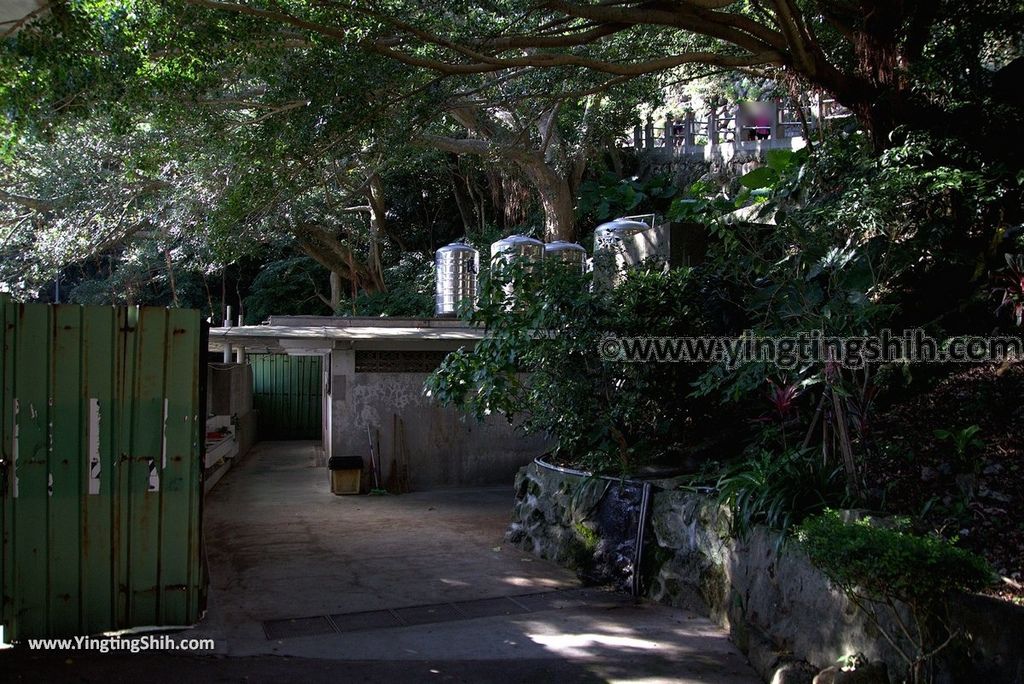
(346, 474)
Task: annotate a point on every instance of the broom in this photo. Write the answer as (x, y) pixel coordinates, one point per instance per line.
(374, 466)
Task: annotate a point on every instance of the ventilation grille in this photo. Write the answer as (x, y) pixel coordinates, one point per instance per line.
(368, 361)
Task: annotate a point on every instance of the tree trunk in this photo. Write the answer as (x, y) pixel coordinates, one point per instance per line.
(331, 253)
(378, 227)
(462, 199)
(378, 211)
(336, 290)
(496, 186)
(555, 196)
(555, 193)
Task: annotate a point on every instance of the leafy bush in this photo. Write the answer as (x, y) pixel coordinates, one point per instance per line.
(410, 291)
(608, 196)
(877, 566)
(1011, 280)
(541, 361)
(965, 441)
(847, 242)
(779, 490)
(880, 562)
(291, 286)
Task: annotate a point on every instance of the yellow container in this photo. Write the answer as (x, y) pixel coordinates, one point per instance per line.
(346, 474)
(345, 481)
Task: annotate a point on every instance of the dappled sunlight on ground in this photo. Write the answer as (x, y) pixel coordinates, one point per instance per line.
(453, 583)
(582, 645)
(534, 582)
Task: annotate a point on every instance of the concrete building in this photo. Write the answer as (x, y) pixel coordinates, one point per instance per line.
(372, 392)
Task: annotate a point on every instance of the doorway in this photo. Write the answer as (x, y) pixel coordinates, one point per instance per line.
(287, 395)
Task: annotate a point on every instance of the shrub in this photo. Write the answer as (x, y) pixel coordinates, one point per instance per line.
(410, 291)
(877, 566)
(541, 361)
(779, 490)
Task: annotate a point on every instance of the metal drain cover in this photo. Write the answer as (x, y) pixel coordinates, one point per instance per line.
(297, 627)
(371, 619)
(490, 607)
(442, 612)
(423, 615)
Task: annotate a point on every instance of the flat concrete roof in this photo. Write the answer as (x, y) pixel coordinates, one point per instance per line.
(366, 322)
(320, 334)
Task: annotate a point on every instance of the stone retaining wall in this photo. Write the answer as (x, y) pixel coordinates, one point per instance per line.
(779, 609)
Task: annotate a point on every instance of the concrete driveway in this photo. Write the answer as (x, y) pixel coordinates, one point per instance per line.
(309, 586)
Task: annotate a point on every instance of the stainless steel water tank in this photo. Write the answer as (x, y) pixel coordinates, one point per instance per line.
(613, 232)
(455, 269)
(613, 249)
(517, 246)
(569, 253)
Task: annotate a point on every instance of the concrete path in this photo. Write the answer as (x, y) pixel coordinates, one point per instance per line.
(419, 587)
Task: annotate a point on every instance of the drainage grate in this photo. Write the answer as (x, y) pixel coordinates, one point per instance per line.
(297, 627)
(491, 607)
(425, 615)
(371, 619)
(441, 612)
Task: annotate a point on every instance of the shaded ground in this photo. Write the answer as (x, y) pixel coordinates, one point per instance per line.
(978, 496)
(307, 586)
(176, 669)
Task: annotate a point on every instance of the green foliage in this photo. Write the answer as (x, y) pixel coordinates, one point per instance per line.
(963, 440)
(290, 286)
(781, 167)
(541, 362)
(410, 291)
(779, 490)
(845, 242)
(1011, 280)
(876, 565)
(878, 562)
(610, 197)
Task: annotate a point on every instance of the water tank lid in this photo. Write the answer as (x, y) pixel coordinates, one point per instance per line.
(456, 247)
(560, 245)
(518, 240)
(622, 226)
(514, 243)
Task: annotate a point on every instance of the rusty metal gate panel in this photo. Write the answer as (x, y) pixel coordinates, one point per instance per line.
(287, 394)
(101, 492)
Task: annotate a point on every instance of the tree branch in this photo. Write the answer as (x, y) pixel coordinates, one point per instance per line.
(280, 17)
(27, 202)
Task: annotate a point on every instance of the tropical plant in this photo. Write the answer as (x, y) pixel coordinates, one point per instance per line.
(964, 442)
(779, 490)
(1012, 287)
(609, 196)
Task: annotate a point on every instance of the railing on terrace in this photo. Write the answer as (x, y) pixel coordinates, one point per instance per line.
(723, 130)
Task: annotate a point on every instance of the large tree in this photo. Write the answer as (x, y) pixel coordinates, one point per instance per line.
(287, 129)
(942, 65)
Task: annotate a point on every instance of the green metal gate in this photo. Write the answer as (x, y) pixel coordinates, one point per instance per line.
(287, 395)
(101, 447)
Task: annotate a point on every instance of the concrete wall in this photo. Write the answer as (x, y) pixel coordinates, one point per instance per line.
(229, 393)
(445, 448)
(676, 244)
(229, 389)
(779, 608)
(679, 244)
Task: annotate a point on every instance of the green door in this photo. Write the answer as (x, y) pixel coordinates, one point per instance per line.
(287, 395)
(101, 478)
